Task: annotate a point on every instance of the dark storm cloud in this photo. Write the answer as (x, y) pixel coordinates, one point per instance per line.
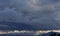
(32, 12)
(38, 12)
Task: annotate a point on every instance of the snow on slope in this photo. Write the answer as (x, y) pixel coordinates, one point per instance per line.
(32, 33)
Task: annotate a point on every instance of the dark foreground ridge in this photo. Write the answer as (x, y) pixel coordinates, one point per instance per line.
(51, 34)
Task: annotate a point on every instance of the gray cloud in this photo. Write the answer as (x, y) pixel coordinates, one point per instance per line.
(38, 12)
(34, 9)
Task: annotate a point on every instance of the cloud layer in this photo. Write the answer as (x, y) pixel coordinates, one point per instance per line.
(33, 12)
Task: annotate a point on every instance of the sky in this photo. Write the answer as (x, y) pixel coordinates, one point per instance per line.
(32, 12)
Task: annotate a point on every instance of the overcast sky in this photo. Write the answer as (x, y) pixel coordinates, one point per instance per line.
(30, 11)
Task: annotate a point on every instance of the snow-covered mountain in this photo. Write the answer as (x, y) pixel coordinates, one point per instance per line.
(30, 33)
